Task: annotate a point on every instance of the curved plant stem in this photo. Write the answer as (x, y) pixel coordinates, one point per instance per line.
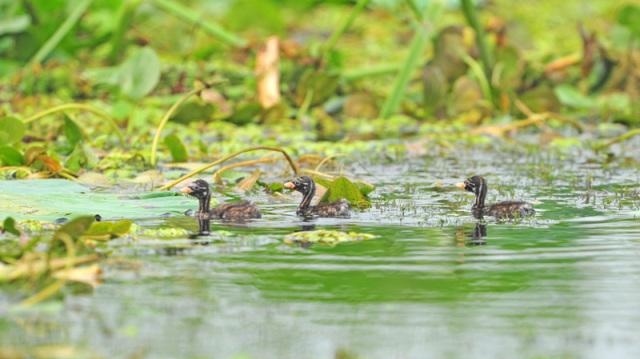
(60, 33)
(216, 174)
(325, 161)
(623, 137)
(294, 167)
(79, 106)
(317, 173)
(165, 119)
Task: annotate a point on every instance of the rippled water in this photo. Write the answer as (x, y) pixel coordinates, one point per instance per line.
(435, 283)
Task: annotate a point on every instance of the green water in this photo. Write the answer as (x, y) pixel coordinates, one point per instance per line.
(433, 284)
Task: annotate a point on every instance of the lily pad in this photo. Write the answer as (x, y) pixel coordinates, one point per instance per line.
(48, 200)
(342, 187)
(328, 237)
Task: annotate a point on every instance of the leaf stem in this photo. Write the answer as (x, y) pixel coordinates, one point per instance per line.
(294, 167)
(60, 33)
(79, 106)
(165, 119)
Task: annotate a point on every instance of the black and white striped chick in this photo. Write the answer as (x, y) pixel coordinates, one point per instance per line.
(506, 209)
(237, 211)
(306, 186)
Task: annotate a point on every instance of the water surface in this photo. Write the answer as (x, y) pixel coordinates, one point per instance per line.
(434, 283)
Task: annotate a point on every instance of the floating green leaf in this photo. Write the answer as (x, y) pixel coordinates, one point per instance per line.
(9, 156)
(11, 130)
(342, 187)
(75, 228)
(323, 236)
(177, 148)
(108, 230)
(9, 226)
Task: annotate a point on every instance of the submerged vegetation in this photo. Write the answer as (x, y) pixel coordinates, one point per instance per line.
(117, 104)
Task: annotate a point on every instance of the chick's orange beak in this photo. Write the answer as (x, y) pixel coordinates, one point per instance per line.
(460, 185)
(289, 185)
(187, 190)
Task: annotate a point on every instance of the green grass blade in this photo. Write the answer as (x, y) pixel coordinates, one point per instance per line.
(62, 31)
(392, 103)
(195, 18)
(346, 24)
(471, 15)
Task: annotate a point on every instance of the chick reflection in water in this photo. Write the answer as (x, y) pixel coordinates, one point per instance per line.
(473, 237)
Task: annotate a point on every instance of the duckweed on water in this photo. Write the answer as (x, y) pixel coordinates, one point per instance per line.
(324, 236)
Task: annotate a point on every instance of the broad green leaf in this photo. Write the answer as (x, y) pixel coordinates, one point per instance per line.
(140, 73)
(77, 160)
(570, 96)
(177, 148)
(108, 230)
(629, 17)
(323, 236)
(11, 130)
(342, 187)
(9, 156)
(75, 228)
(9, 226)
(319, 85)
(72, 131)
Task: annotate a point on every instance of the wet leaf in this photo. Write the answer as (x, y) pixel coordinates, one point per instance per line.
(323, 236)
(9, 226)
(108, 230)
(11, 130)
(9, 156)
(41, 200)
(177, 148)
(342, 187)
(75, 228)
